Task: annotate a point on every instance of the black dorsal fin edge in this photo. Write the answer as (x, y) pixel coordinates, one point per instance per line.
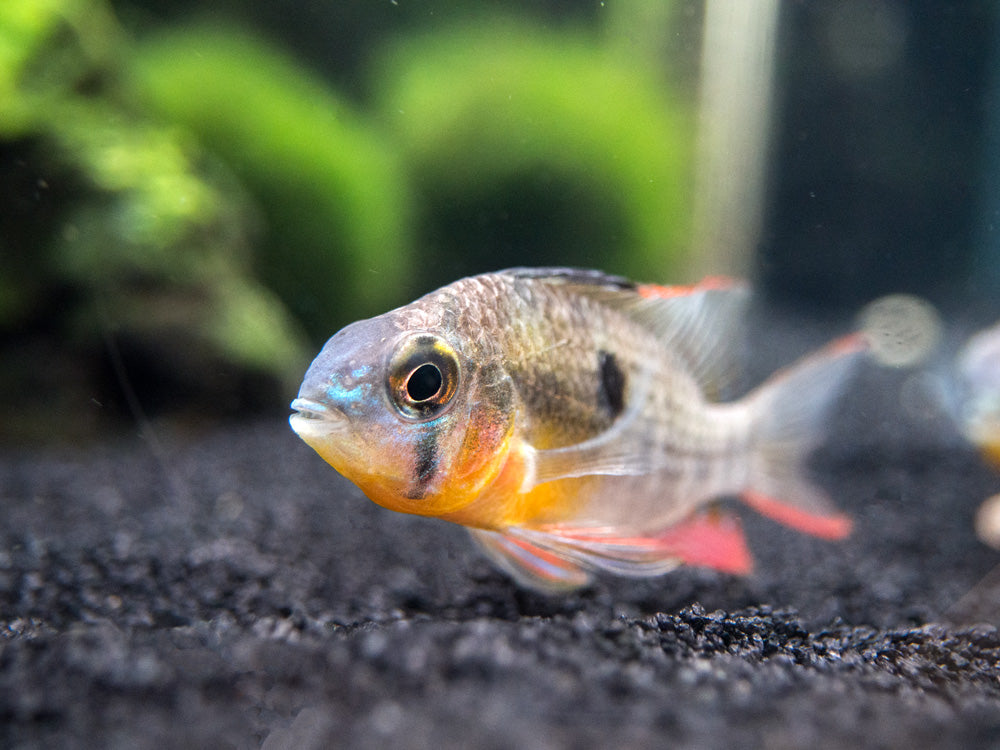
(573, 276)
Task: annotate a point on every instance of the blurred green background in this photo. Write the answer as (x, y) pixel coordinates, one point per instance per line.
(192, 203)
(193, 198)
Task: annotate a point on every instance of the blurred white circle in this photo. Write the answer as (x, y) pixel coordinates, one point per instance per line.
(902, 330)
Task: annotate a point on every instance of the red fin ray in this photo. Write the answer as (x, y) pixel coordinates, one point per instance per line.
(558, 558)
(824, 525)
(662, 291)
(708, 539)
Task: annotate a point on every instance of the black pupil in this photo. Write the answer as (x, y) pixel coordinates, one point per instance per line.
(424, 382)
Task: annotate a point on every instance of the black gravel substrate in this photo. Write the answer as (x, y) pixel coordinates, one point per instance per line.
(231, 591)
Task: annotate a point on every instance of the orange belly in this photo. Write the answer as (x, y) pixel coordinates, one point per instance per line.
(502, 504)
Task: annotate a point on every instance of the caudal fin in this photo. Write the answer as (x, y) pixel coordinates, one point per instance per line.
(790, 412)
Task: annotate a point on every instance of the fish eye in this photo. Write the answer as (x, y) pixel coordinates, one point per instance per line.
(424, 383)
(423, 376)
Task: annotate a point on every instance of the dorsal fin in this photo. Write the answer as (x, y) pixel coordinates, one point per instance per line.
(574, 276)
(699, 323)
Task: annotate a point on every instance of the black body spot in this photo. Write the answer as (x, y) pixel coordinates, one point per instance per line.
(611, 389)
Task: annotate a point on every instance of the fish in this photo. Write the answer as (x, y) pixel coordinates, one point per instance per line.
(571, 420)
(977, 406)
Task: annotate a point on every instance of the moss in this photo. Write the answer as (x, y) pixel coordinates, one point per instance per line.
(480, 106)
(131, 227)
(330, 186)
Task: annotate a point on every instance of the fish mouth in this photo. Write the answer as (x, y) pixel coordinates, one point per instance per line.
(313, 418)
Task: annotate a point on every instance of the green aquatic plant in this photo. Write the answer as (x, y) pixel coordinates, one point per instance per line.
(582, 153)
(329, 185)
(131, 231)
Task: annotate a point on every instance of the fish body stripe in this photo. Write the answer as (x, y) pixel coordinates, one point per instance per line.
(425, 464)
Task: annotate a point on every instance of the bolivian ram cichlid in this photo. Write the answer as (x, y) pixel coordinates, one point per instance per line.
(563, 416)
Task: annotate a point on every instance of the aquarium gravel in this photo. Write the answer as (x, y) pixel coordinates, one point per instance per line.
(170, 588)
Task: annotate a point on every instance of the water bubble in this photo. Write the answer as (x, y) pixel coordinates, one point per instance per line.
(903, 329)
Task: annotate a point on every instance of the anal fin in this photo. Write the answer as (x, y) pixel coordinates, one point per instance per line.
(558, 558)
(710, 539)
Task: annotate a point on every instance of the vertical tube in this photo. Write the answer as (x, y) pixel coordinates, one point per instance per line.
(737, 72)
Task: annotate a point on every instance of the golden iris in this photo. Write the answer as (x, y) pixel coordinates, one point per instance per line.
(423, 376)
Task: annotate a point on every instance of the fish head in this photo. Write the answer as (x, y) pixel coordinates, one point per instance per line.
(414, 416)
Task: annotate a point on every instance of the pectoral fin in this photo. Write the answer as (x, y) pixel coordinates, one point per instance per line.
(607, 454)
(530, 565)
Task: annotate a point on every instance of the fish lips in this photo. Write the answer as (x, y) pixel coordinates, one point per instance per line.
(316, 420)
